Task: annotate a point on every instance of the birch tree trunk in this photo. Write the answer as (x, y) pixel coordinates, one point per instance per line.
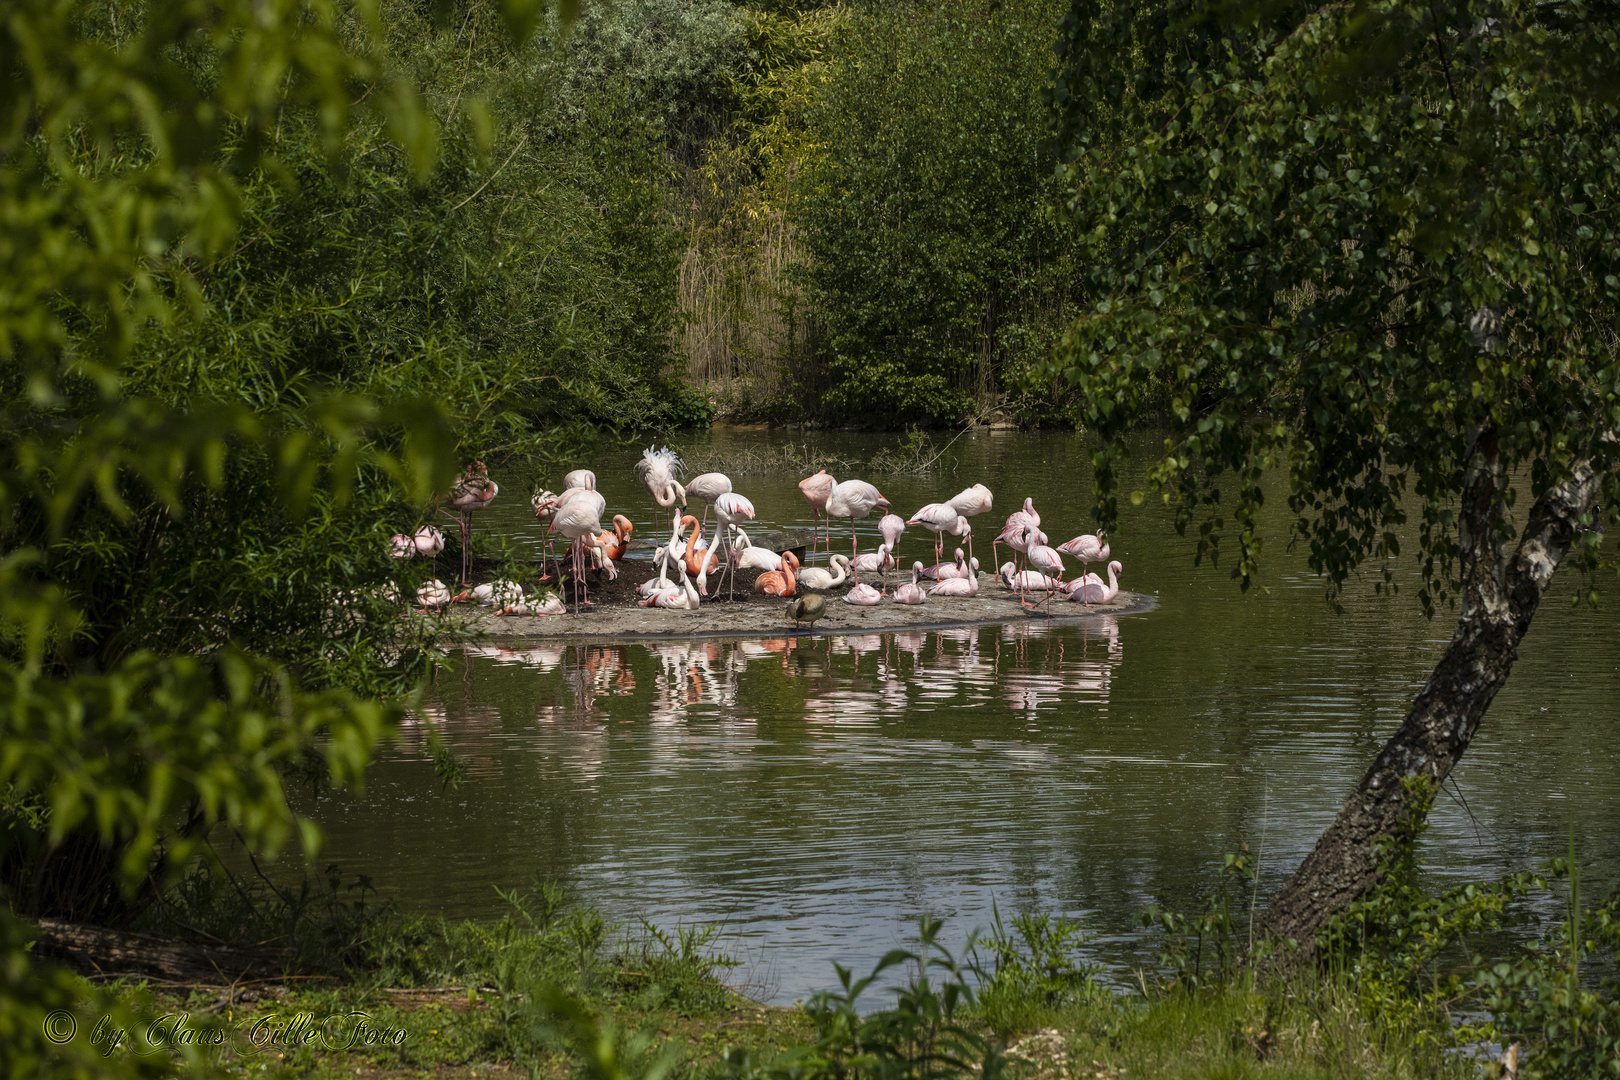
(1500, 594)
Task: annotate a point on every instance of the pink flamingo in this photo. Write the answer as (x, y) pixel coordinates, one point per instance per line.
(960, 568)
(964, 587)
(817, 490)
(1047, 561)
(912, 593)
(1091, 590)
(579, 478)
(892, 527)
(731, 510)
(971, 502)
(817, 578)
(682, 597)
(881, 563)
(1010, 576)
(401, 546)
(863, 595)
(473, 491)
(937, 518)
(745, 556)
(1087, 548)
(579, 518)
(853, 499)
(708, 486)
(1014, 532)
(660, 472)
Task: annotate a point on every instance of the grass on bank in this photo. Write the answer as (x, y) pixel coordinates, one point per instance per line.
(552, 990)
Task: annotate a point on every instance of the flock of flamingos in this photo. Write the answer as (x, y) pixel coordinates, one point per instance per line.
(686, 564)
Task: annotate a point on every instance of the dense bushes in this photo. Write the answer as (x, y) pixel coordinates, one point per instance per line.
(933, 272)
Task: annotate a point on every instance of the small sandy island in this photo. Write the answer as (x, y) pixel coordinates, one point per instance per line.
(757, 615)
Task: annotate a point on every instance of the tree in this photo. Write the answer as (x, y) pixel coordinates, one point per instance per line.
(1376, 245)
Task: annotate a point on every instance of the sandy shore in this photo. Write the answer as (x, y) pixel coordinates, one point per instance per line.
(722, 620)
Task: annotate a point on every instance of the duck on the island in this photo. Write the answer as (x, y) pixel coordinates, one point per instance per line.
(807, 608)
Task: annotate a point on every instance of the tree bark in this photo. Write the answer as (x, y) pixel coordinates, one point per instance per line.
(1499, 596)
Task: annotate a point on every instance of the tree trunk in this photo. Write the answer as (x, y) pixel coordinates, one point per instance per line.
(1500, 594)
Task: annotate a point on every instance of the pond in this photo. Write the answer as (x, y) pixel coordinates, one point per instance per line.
(816, 795)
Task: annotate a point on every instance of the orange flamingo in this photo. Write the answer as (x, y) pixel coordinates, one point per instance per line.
(701, 560)
(779, 582)
(614, 543)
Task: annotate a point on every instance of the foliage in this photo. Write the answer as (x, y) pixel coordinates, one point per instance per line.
(924, 1035)
(1344, 240)
(1035, 973)
(1208, 935)
(933, 274)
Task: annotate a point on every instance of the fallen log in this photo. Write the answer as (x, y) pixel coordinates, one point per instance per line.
(98, 951)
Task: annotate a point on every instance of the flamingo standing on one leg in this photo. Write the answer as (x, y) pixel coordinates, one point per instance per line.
(429, 541)
(937, 518)
(660, 473)
(473, 491)
(971, 502)
(892, 527)
(1087, 548)
(853, 499)
(817, 489)
(709, 486)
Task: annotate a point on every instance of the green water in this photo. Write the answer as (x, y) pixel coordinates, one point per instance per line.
(818, 795)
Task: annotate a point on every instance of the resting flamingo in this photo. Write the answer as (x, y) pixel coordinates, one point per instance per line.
(434, 594)
(961, 567)
(579, 478)
(682, 597)
(1087, 548)
(912, 593)
(660, 473)
(1011, 577)
(971, 502)
(401, 546)
(964, 587)
(880, 563)
(708, 486)
(474, 490)
(614, 544)
(863, 595)
(817, 578)
(745, 556)
(551, 605)
(492, 594)
(853, 499)
(817, 489)
(779, 582)
(1091, 590)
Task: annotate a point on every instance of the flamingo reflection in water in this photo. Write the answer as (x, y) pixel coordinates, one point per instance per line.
(1063, 677)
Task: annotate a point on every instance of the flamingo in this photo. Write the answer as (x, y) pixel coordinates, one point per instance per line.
(817, 489)
(1087, 548)
(551, 605)
(960, 568)
(853, 499)
(709, 486)
(912, 593)
(745, 556)
(881, 563)
(731, 510)
(493, 594)
(1047, 561)
(863, 595)
(779, 582)
(936, 518)
(434, 594)
(401, 546)
(700, 558)
(579, 518)
(817, 578)
(965, 587)
(1012, 532)
(660, 472)
(682, 597)
(891, 527)
(579, 478)
(613, 544)
(1010, 576)
(971, 502)
(473, 491)
(1091, 590)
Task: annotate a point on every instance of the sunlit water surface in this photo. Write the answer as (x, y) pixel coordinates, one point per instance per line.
(816, 795)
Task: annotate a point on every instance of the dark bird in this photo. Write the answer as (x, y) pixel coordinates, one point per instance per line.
(807, 608)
